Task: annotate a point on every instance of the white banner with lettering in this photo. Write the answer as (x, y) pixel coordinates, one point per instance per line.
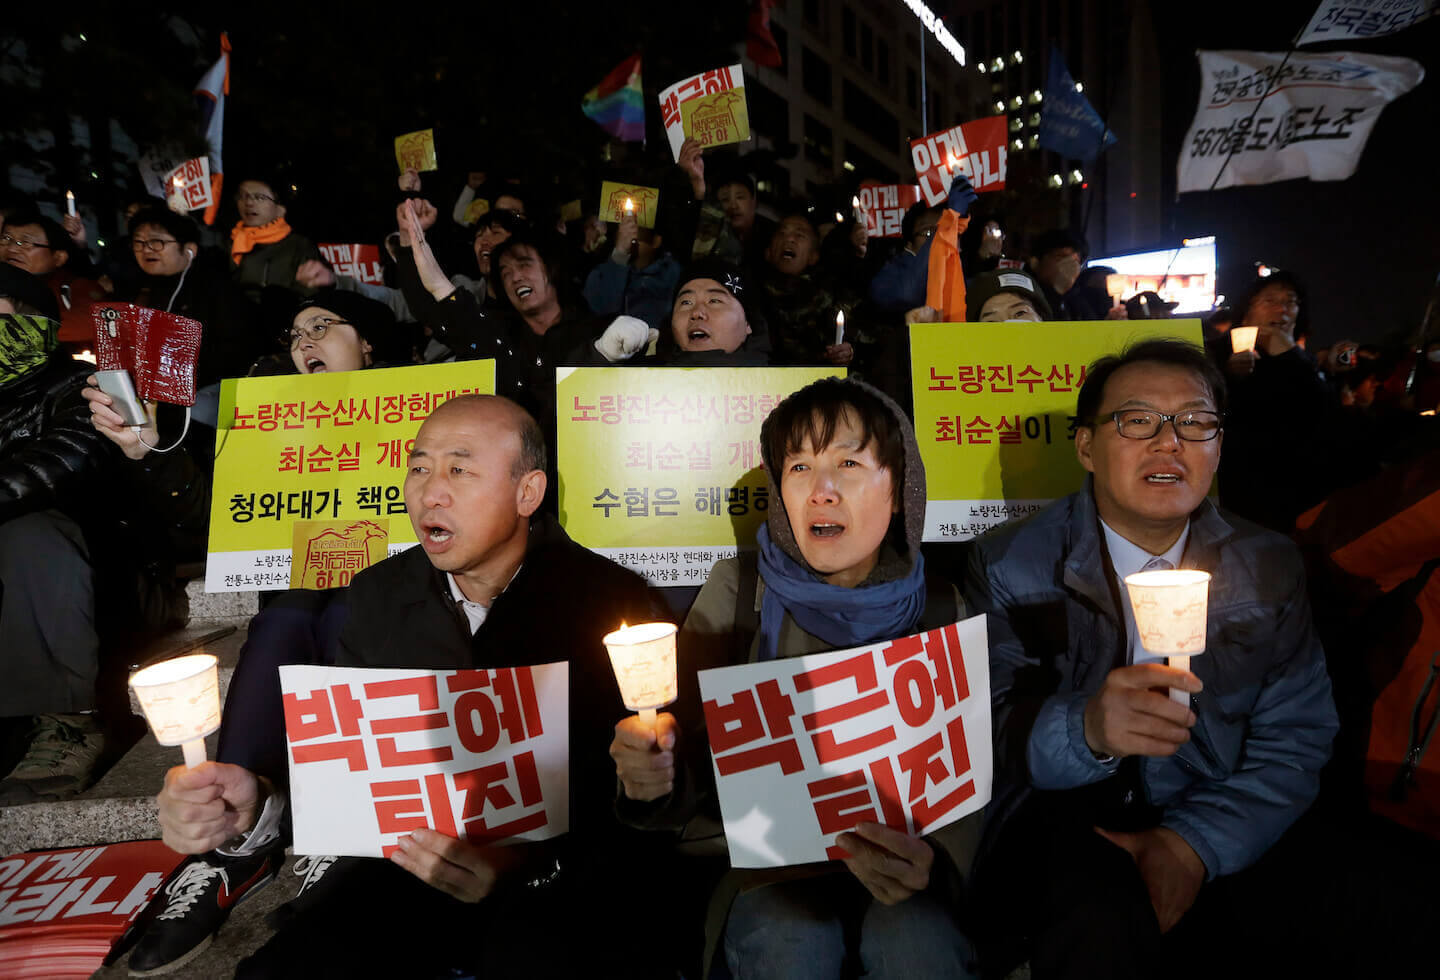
(1315, 114)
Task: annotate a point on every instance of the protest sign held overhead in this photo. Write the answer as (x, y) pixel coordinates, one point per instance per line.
(660, 469)
(325, 447)
(1314, 115)
(995, 413)
(374, 754)
(187, 187)
(359, 262)
(714, 118)
(884, 207)
(975, 149)
(643, 201)
(1356, 20)
(804, 748)
(416, 151)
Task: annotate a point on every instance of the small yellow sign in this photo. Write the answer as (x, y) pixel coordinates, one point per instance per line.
(644, 201)
(716, 119)
(477, 210)
(329, 553)
(416, 151)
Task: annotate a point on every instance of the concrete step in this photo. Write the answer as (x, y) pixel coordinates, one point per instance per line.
(219, 607)
(223, 640)
(121, 805)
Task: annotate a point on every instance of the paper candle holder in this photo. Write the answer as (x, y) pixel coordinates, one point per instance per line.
(1170, 610)
(1242, 339)
(181, 701)
(643, 657)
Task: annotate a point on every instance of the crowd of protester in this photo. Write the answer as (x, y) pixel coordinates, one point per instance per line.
(1321, 447)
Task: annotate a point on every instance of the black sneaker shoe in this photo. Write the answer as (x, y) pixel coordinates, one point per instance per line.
(195, 902)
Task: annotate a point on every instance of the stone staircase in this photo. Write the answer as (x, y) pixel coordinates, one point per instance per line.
(121, 805)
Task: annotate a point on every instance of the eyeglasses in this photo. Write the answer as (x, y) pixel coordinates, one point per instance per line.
(1190, 426)
(22, 244)
(314, 330)
(151, 244)
(253, 196)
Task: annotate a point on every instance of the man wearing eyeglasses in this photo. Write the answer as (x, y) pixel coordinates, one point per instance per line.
(264, 251)
(1115, 807)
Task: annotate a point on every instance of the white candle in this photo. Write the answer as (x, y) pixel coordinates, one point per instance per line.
(839, 328)
(70, 203)
(643, 657)
(1170, 615)
(181, 701)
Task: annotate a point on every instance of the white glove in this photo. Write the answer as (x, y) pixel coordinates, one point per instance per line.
(624, 338)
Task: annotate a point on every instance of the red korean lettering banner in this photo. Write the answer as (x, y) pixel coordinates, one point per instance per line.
(805, 748)
(884, 207)
(359, 262)
(976, 149)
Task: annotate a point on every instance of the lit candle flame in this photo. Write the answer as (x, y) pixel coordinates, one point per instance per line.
(629, 206)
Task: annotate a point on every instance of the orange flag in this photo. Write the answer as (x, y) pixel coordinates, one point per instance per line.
(945, 288)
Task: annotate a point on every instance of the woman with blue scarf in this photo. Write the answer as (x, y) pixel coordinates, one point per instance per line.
(838, 566)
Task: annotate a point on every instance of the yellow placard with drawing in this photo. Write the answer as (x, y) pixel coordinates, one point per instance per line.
(717, 118)
(476, 210)
(323, 448)
(330, 553)
(416, 151)
(995, 413)
(660, 469)
(616, 198)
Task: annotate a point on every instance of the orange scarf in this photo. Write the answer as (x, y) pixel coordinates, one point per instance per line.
(945, 287)
(244, 238)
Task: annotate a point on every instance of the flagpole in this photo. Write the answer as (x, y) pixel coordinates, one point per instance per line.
(924, 101)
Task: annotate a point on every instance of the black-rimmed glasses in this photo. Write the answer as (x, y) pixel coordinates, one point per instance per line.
(1196, 426)
(314, 330)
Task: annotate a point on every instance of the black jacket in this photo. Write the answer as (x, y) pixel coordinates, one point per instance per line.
(560, 605)
(49, 451)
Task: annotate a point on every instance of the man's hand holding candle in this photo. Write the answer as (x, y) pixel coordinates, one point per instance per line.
(645, 757)
(203, 807)
(1128, 716)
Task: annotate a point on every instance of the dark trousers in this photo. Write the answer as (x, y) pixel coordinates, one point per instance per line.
(1330, 899)
(296, 627)
(49, 651)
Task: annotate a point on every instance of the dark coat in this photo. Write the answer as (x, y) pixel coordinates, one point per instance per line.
(49, 451)
(1265, 719)
(560, 605)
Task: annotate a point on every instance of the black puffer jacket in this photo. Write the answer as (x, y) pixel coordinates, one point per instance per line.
(49, 451)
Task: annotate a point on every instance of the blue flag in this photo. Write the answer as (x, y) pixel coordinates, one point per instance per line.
(1069, 124)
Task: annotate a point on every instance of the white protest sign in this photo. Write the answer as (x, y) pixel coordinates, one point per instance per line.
(1315, 114)
(1348, 20)
(705, 83)
(378, 753)
(155, 166)
(187, 187)
(805, 748)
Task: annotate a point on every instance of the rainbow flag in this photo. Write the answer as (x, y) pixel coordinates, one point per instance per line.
(617, 104)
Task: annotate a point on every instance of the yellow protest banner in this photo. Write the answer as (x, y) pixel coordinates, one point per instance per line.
(330, 553)
(716, 119)
(660, 469)
(416, 151)
(615, 199)
(994, 413)
(321, 447)
(476, 210)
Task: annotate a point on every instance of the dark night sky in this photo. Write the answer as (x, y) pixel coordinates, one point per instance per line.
(1366, 247)
(319, 95)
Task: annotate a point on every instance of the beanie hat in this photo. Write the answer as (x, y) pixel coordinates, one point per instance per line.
(988, 284)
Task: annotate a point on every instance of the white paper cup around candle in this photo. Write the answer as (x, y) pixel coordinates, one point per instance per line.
(1242, 339)
(643, 657)
(181, 701)
(1170, 615)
